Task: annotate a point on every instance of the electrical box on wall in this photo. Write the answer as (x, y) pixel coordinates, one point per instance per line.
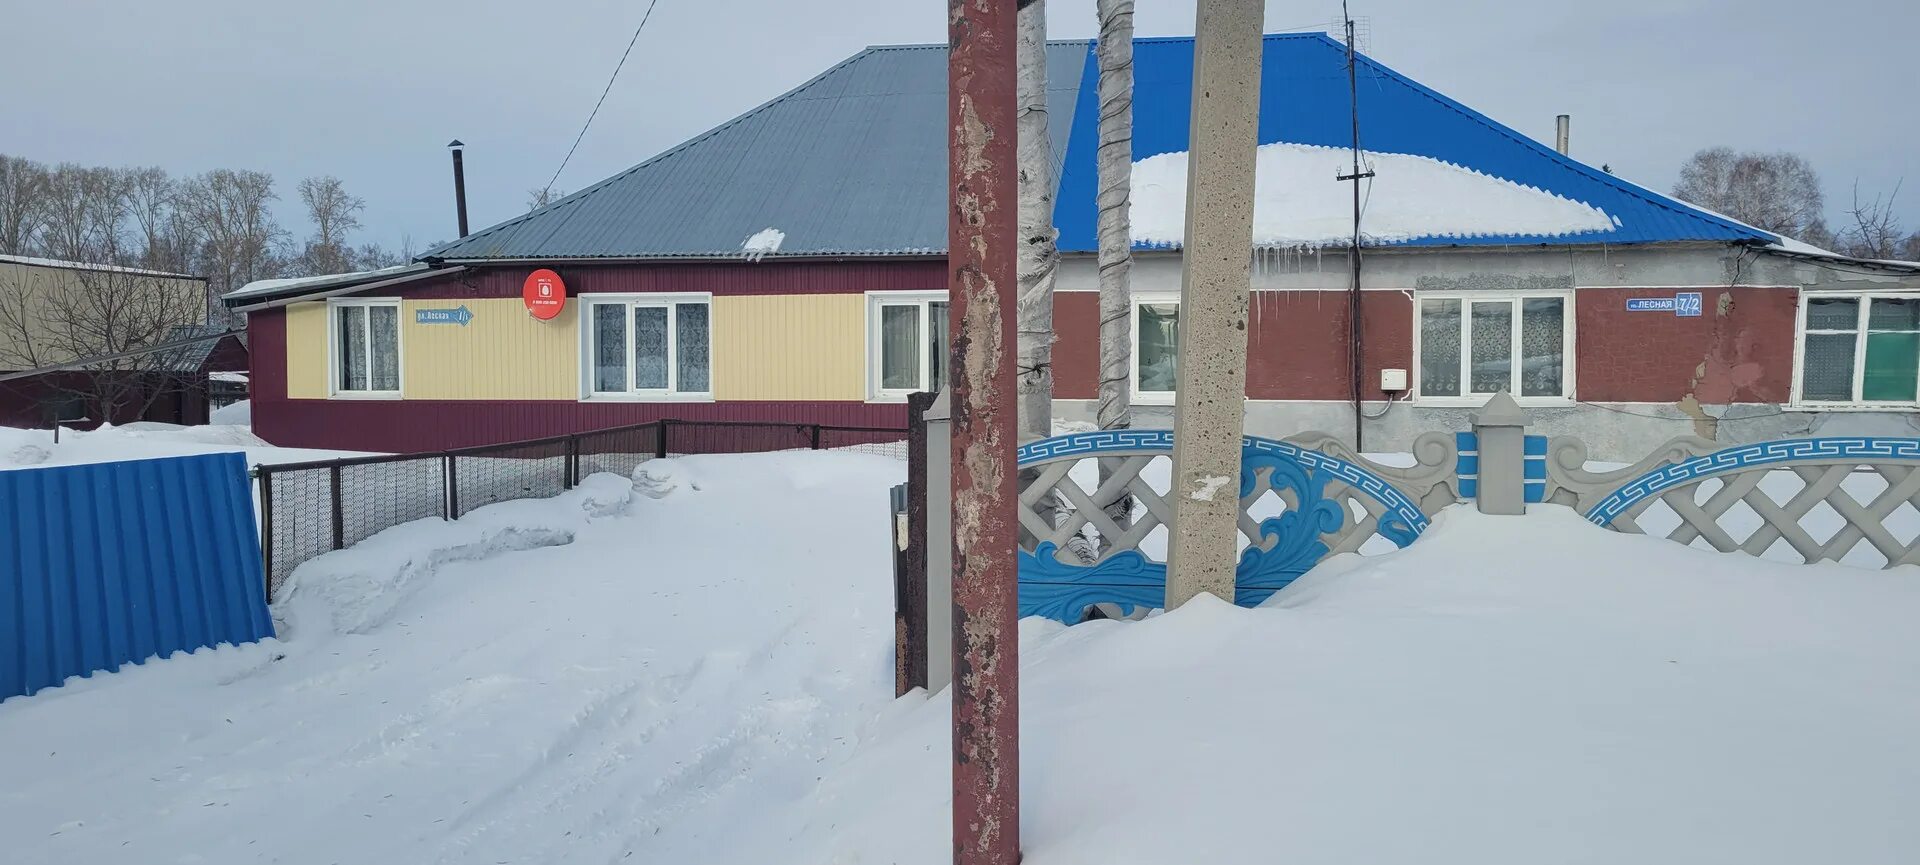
(1393, 380)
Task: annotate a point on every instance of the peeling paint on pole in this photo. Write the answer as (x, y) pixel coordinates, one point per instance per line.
(982, 288)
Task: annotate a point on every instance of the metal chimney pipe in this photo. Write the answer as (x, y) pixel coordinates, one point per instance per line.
(1559, 133)
(459, 185)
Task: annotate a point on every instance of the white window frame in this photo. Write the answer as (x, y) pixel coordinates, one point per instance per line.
(631, 301)
(1139, 299)
(1469, 399)
(924, 299)
(1865, 298)
(334, 390)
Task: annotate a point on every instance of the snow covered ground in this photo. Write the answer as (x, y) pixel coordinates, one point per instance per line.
(705, 677)
(35, 448)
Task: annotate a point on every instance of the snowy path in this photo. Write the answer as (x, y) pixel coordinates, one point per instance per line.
(630, 693)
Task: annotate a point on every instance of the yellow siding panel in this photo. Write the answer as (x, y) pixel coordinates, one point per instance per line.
(307, 351)
(503, 353)
(790, 347)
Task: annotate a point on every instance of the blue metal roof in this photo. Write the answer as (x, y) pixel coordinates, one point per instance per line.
(853, 162)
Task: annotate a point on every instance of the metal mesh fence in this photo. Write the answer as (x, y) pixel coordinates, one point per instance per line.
(616, 450)
(378, 496)
(529, 470)
(296, 520)
(311, 508)
(715, 437)
(879, 442)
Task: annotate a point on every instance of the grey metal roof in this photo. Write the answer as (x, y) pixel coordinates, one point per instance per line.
(192, 356)
(852, 162)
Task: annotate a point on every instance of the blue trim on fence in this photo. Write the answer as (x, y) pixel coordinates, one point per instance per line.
(1748, 456)
(1062, 591)
(1466, 466)
(115, 563)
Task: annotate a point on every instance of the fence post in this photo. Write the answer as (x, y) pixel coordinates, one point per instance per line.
(452, 501)
(912, 647)
(660, 449)
(1500, 427)
(339, 512)
(266, 527)
(570, 463)
(816, 436)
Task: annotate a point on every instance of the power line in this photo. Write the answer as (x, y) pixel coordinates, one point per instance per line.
(603, 98)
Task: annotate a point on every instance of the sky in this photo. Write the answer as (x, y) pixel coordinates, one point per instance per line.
(371, 91)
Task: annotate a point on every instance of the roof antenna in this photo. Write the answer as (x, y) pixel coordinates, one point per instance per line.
(1356, 358)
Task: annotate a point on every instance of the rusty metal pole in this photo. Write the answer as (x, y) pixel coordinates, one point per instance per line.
(981, 242)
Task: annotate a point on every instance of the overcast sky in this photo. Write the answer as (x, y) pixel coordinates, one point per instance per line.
(372, 90)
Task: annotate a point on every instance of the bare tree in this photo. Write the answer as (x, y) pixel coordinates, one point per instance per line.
(162, 240)
(1039, 256)
(83, 211)
(229, 212)
(538, 198)
(1777, 192)
(373, 256)
(22, 182)
(1114, 164)
(1875, 231)
(54, 316)
(334, 213)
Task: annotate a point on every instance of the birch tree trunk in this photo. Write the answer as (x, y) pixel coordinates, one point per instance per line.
(1114, 164)
(1039, 256)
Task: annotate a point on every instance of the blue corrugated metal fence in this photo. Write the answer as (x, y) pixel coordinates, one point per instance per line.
(111, 563)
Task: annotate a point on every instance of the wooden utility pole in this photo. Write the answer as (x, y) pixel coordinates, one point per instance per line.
(1209, 413)
(981, 249)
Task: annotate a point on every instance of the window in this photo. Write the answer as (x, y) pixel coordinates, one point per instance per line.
(652, 346)
(908, 343)
(366, 347)
(1859, 349)
(1469, 347)
(1156, 346)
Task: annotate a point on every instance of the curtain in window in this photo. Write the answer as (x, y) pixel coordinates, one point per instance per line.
(609, 347)
(1492, 341)
(383, 341)
(1542, 346)
(1440, 347)
(1159, 344)
(900, 347)
(353, 347)
(690, 346)
(937, 345)
(650, 348)
(1893, 350)
(1826, 363)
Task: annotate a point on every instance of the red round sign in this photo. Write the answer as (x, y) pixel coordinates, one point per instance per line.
(544, 294)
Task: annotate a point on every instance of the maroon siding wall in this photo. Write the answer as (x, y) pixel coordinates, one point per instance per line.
(1739, 350)
(29, 402)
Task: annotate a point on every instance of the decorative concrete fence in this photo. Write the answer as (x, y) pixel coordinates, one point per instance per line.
(1094, 512)
(1808, 499)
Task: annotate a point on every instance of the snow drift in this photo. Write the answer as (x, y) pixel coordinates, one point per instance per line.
(1298, 203)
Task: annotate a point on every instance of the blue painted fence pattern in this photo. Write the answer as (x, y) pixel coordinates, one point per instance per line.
(113, 563)
(1534, 471)
(1061, 591)
(1866, 448)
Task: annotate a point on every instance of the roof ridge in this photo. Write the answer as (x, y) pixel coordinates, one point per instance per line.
(582, 195)
(1620, 184)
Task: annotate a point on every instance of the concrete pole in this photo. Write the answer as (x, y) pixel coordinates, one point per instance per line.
(981, 249)
(1209, 413)
(1500, 427)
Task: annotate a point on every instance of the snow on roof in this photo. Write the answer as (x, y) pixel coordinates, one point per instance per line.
(1298, 202)
(763, 242)
(276, 286)
(31, 261)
